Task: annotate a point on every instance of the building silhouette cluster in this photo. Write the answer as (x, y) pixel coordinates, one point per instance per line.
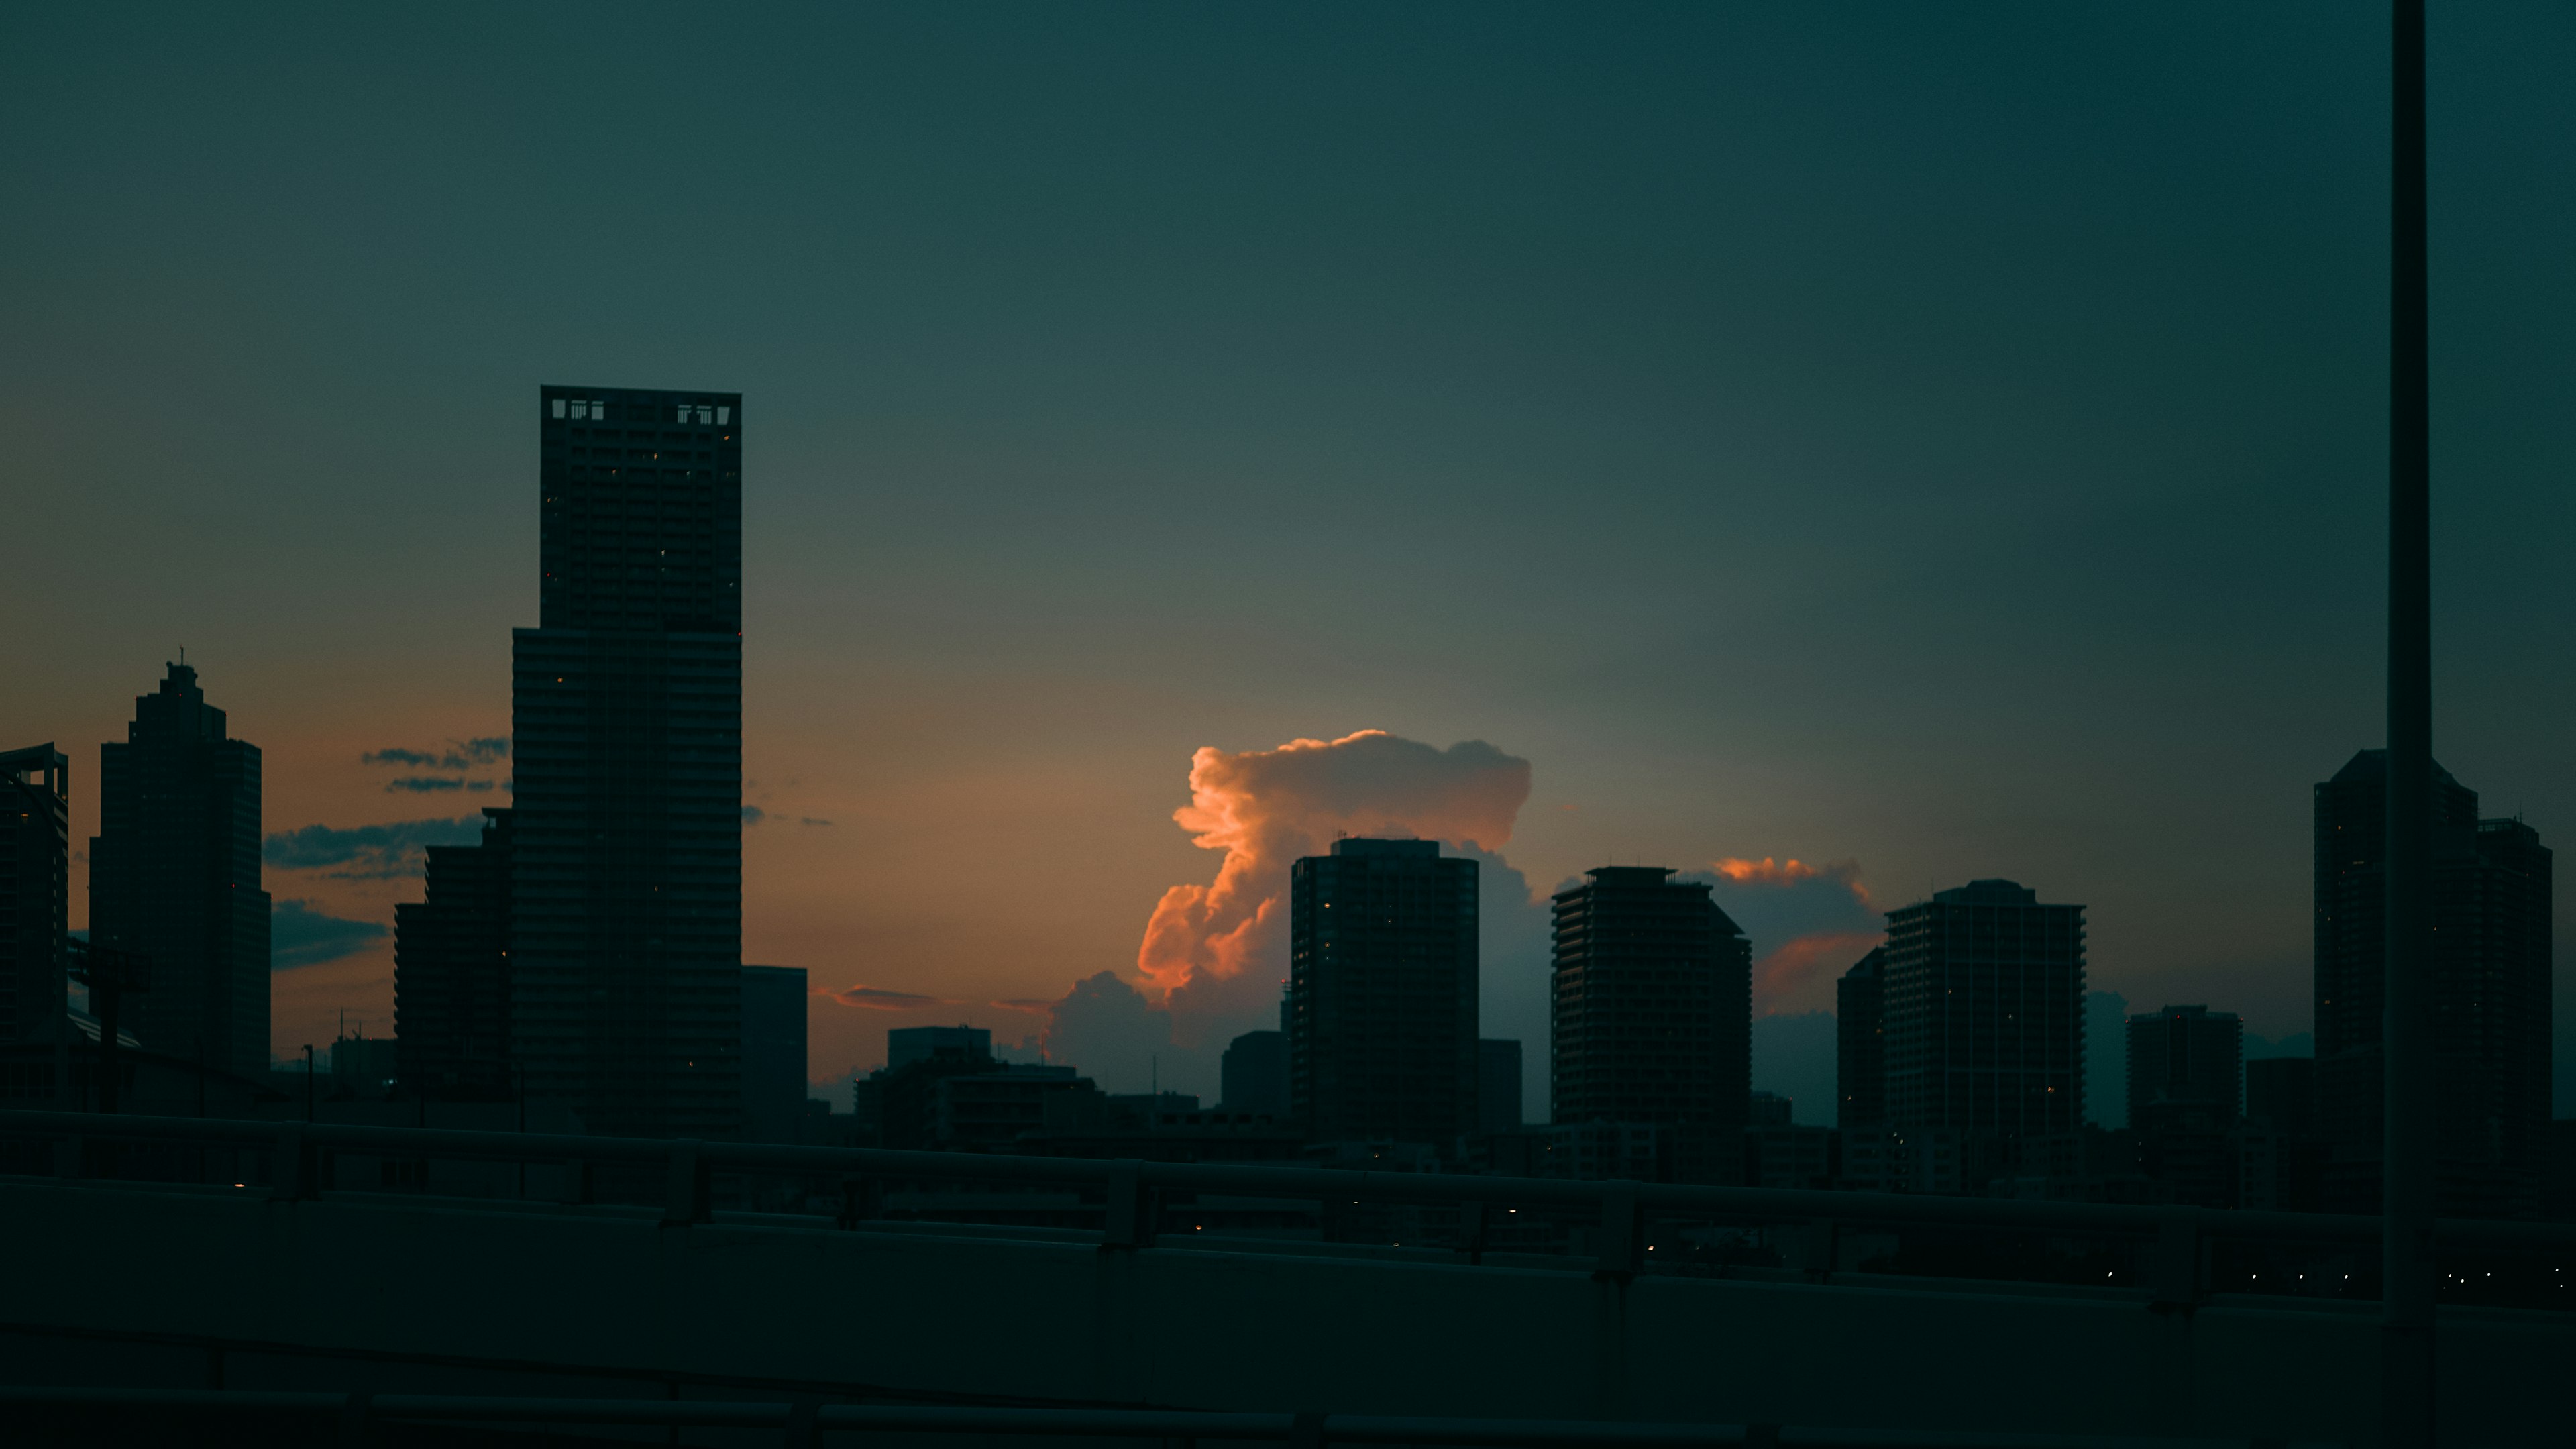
(582, 959)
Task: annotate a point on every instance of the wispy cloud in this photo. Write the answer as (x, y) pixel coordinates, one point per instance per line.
(753, 815)
(873, 998)
(471, 754)
(429, 784)
(810, 820)
(369, 852)
(300, 934)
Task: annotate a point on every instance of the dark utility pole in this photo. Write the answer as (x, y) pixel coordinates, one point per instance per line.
(2406, 1047)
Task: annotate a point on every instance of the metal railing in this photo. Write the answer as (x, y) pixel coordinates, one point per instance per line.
(1129, 1189)
(802, 1424)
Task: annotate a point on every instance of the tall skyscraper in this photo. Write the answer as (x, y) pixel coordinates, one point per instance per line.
(35, 889)
(1253, 1073)
(1381, 1006)
(1498, 1086)
(626, 720)
(174, 877)
(1984, 1013)
(452, 973)
(1860, 1042)
(2186, 1060)
(1650, 1013)
(773, 1052)
(2491, 989)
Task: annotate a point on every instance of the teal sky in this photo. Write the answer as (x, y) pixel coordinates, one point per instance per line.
(1946, 439)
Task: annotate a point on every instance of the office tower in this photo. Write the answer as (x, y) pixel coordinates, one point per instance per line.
(2184, 1102)
(1498, 1086)
(908, 1044)
(773, 1052)
(2185, 1059)
(174, 878)
(1382, 992)
(365, 1067)
(626, 720)
(1650, 1014)
(1253, 1074)
(1860, 1042)
(1984, 1013)
(2491, 992)
(452, 973)
(35, 889)
(2281, 1094)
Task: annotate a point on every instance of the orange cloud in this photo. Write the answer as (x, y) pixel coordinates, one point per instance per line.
(1797, 975)
(1265, 808)
(872, 998)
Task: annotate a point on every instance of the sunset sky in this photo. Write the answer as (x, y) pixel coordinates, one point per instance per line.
(1842, 451)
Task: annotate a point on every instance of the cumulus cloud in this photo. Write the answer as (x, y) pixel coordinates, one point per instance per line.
(1109, 1030)
(300, 934)
(1808, 924)
(1265, 808)
(877, 998)
(369, 852)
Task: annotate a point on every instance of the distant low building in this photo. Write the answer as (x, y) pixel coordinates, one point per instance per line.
(1253, 1074)
(1781, 1155)
(1769, 1109)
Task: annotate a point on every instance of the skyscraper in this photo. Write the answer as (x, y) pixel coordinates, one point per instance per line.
(2491, 990)
(1984, 1013)
(1498, 1086)
(773, 1052)
(1650, 1013)
(452, 973)
(626, 719)
(2185, 1059)
(35, 889)
(1860, 1042)
(174, 878)
(1381, 1008)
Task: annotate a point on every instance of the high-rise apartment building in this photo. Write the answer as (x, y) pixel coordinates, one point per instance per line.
(626, 722)
(1860, 1043)
(35, 890)
(2491, 992)
(1984, 1013)
(174, 878)
(1381, 1010)
(452, 973)
(773, 1052)
(1650, 1013)
(2186, 1060)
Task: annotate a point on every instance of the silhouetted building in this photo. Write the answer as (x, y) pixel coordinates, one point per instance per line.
(2185, 1059)
(1381, 1009)
(1253, 1074)
(1860, 1043)
(908, 1044)
(987, 1111)
(1984, 1013)
(2491, 992)
(452, 973)
(174, 878)
(1599, 1151)
(1498, 1086)
(35, 890)
(1769, 1109)
(2281, 1094)
(626, 723)
(364, 1068)
(773, 1052)
(1780, 1154)
(1651, 1014)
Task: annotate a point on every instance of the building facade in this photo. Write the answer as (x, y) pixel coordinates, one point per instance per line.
(452, 973)
(174, 879)
(626, 721)
(1984, 1013)
(1860, 1043)
(1253, 1074)
(1382, 982)
(1498, 1086)
(1650, 1013)
(773, 1052)
(2186, 1059)
(2491, 992)
(35, 890)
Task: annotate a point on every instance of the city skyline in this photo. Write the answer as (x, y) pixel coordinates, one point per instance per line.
(972, 692)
